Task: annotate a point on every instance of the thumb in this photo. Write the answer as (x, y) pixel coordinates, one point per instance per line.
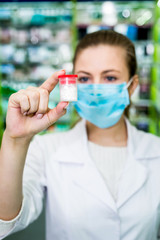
(57, 112)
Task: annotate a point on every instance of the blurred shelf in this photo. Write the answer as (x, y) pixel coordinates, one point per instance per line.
(142, 103)
(25, 16)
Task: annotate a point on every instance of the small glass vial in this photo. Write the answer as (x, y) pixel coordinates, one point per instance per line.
(68, 87)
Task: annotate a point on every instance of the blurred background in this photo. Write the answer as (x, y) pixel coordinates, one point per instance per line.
(39, 37)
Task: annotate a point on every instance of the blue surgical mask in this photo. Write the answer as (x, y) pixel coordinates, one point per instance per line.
(102, 104)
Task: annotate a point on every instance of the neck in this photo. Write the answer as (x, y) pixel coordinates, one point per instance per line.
(113, 136)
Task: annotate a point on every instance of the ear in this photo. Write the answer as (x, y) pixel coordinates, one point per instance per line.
(133, 85)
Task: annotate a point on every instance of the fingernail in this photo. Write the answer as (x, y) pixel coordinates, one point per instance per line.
(66, 106)
(63, 70)
(39, 116)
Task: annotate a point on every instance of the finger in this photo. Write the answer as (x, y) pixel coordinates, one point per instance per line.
(20, 100)
(51, 82)
(43, 101)
(57, 112)
(61, 106)
(33, 97)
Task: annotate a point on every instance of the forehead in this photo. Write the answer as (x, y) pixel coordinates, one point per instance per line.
(102, 57)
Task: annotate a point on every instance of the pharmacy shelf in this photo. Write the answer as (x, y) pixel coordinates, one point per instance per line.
(79, 17)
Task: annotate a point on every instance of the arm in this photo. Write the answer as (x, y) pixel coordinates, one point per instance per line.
(27, 115)
(34, 183)
(12, 160)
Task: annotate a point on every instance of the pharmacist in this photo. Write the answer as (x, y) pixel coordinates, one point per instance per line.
(102, 177)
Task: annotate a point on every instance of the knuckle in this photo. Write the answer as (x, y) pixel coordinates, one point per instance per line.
(31, 88)
(34, 95)
(21, 91)
(24, 97)
(12, 97)
(59, 114)
(15, 96)
(55, 112)
(44, 92)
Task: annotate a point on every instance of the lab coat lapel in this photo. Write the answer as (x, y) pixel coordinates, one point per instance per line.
(89, 177)
(133, 178)
(134, 174)
(91, 181)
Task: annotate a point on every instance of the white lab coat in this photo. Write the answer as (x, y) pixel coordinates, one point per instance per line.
(78, 204)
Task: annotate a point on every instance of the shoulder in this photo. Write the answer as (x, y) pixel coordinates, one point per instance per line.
(145, 144)
(144, 137)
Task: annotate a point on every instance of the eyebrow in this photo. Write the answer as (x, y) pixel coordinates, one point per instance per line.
(106, 71)
(111, 70)
(83, 72)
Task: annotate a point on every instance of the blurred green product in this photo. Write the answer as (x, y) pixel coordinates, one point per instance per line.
(156, 55)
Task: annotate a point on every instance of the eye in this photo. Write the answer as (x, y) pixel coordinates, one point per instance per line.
(83, 79)
(110, 78)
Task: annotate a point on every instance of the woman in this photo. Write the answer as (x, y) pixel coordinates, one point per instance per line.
(101, 177)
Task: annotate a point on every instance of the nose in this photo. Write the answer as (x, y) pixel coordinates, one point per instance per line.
(97, 79)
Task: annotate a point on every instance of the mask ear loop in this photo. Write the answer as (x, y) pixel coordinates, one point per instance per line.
(129, 83)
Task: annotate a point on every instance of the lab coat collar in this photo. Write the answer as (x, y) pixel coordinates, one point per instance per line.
(139, 143)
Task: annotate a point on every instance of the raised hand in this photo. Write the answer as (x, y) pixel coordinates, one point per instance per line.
(28, 111)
